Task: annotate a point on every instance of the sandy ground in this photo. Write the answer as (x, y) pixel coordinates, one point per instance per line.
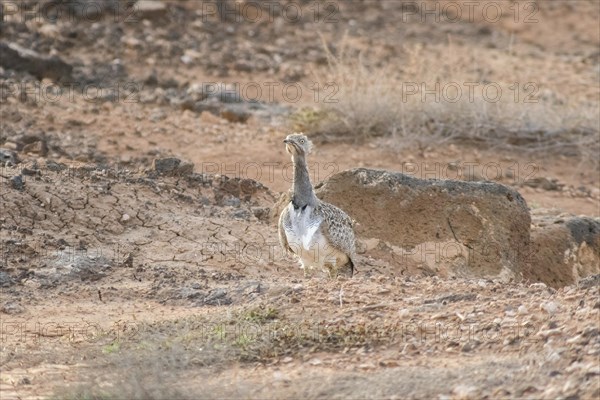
(112, 286)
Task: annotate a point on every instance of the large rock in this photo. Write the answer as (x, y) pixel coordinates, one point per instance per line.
(565, 249)
(13, 56)
(442, 227)
(173, 166)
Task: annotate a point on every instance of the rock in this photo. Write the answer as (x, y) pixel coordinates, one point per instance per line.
(6, 280)
(12, 308)
(241, 214)
(189, 293)
(261, 213)
(464, 391)
(7, 157)
(173, 166)
(235, 113)
(544, 183)
(89, 268)
(13, 56)
(55, 167)
(16, 182)
(452, 298)
(150, 9)
(231, 201)
(589, 282)
(39, 147)
(563, 249)
(550, 307)
(217, 297)
(522, 310)
(449, 227)
(204, 107)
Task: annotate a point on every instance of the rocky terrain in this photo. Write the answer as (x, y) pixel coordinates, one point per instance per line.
(142, 172)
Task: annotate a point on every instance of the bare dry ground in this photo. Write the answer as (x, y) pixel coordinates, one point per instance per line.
(122, 277)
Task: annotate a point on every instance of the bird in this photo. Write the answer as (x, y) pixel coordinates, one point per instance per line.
(318, 233)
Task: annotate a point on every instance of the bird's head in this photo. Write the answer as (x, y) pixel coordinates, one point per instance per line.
(297, 144)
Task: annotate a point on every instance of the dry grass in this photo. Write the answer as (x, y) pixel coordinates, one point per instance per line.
(152, 364)
(398, 101)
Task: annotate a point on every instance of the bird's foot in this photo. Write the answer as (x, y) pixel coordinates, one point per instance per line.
(307, 274)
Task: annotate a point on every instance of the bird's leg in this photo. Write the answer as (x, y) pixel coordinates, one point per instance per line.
(330, 268)
(305, 269)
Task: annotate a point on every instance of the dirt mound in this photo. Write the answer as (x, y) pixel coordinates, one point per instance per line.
(65, 224)
(448, 227)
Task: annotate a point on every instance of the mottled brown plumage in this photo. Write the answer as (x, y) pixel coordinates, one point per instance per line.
(319, 233)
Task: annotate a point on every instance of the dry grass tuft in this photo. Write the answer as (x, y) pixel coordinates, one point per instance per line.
(151, 364)
(419, 101)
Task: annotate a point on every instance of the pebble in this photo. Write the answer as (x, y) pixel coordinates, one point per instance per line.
(12, 308)
(522, 310)
(16, 182)
(550, 307)
(464, 391)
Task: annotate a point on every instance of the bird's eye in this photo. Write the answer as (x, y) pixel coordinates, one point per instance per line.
(301, 140)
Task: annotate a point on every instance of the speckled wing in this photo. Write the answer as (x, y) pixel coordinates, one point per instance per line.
(284, 221)
(337, 228)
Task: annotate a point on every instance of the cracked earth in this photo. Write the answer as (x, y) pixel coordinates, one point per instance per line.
(127, 272)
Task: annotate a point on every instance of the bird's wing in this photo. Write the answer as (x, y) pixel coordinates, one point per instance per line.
(337, 228)
(284, 218)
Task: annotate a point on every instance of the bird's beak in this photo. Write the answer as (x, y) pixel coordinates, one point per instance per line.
(286, 141)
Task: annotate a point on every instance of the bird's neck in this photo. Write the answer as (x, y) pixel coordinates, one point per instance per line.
(303, 194)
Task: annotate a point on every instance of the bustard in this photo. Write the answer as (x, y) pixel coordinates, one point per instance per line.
(318, 233)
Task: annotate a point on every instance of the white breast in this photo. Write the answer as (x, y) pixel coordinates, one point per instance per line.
(304, 231)
(307, 241)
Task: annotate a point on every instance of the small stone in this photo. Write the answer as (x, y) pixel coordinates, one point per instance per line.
(241, 214)
(235, 114)
(389, 363)
(522, 310)
(125, 217)
(7, 157)
(38, 147)
(173, 166)
(298, 287)
(30, 171)
(25, 381)
(12, 308)
(261, 213)
(150, 9)
(538, 286)
(550, 307)
(287, 360)
(6, 280)
(231, 202)
(279, 376)
(464, 391)
(366, 366)
(55, 167)
(467, 347)
(16, 182)
(403, 313)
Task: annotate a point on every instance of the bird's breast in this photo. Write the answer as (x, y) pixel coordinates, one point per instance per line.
(304, 230)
